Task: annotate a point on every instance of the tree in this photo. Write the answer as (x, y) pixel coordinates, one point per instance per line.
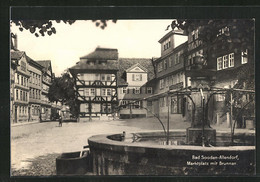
(62, 90)
(42, 27)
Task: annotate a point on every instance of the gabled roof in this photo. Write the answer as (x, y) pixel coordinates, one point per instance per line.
(31, 61)
(84, 65)
(46, 65)
(136, 65)
(126, 63)
(17, 55)
(110, 55)
(102, 53)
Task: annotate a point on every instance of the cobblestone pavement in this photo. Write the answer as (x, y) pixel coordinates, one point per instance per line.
(34, 147)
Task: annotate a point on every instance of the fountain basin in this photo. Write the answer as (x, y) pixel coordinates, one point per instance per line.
(111, 156)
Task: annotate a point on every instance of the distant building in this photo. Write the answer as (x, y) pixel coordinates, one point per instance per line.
(170, 75)
(35, 84)
(46, 82)
(19, 86)
(96, 83)
(134, 73)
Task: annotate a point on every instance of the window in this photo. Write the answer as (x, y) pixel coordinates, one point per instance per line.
(170, 62)
(18, 79)
(149, 90)
(160, 66)
(166, 44)
(231, 60)
(137, 105)
(225, 62)
(97, 77)
(136, 77)
(17, 97)
(21, 95)
(21, 80)
(244, 57)
(103, 77)
(137, 90)
(33, 94)
(161, 83)
(167, 81)
(177, 58)
(108, 77)
(87, 92)
(171, 80)
(124, 90)
(108, 91)
(103, 91)
(92, 92)
(165, 64)
(219, 63)
(124, 103)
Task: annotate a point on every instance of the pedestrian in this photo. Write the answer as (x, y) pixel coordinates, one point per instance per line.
(60, 120)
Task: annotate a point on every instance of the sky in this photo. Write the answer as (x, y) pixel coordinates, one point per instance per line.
(132, 38)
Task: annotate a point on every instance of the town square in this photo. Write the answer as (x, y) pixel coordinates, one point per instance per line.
(131, 101)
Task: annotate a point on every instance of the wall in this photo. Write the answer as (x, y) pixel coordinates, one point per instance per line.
(111, 157)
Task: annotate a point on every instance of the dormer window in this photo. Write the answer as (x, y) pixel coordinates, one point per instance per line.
(167, 44)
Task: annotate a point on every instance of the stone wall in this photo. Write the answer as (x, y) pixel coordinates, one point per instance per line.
(112, 157)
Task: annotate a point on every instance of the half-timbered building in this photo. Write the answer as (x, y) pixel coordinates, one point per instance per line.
(96, 83)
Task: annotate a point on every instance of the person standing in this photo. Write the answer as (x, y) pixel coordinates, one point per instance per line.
(60, 120)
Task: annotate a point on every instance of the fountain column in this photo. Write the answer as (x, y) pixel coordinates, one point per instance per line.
(200, 132)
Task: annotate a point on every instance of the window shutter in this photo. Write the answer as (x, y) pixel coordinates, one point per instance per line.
(133, 77)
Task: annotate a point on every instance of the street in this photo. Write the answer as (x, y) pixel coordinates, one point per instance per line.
(34, 147)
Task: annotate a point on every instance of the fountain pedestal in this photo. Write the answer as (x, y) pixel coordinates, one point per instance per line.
(194, 136)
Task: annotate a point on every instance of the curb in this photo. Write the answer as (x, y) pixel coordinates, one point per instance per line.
(26, 123)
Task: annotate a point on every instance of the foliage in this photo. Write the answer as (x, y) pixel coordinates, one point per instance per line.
(62, 90)
(43, 27)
